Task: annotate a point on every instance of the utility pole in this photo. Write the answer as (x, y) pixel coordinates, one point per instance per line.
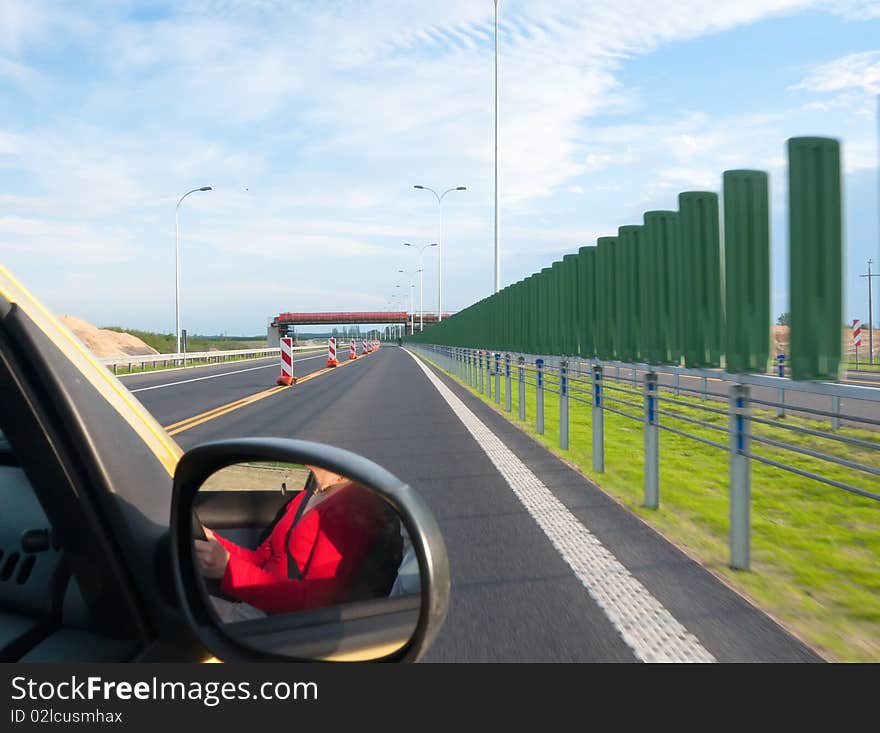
(497, 250)
(870, 314)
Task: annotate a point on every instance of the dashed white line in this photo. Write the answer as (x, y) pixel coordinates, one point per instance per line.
(224, 374)
(646, 626)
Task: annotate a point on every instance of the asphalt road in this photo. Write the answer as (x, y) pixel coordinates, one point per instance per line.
(514, 596)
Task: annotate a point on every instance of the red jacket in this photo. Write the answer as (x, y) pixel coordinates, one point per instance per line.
(328, 543)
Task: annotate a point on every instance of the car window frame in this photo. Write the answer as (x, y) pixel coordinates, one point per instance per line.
(47, 455)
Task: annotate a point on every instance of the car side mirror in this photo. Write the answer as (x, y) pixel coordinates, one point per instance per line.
(292, 550)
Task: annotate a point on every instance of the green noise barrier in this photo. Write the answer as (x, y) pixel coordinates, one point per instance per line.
(668, 291)
(815, 257)
(630, 240)
(606, 298)
(587, 290)
(569, 316)
(663, 285)
(747, 270)
(701, 278)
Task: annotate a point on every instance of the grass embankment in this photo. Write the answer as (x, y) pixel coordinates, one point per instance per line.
(815, 548)
(165, 343)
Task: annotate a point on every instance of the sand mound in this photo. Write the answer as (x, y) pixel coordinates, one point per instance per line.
(106, 343)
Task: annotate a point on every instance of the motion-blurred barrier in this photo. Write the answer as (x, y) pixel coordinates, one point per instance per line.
(672, 291)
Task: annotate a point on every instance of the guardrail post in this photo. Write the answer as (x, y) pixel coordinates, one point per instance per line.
(835, 408)
(705, 388)
(539, 397)
(635, 377)
(652, 443)
(480, 371)
(780, 393)
(508, 399)
(598, 421)
(521, 378)
(677, 391)
(563, 405)
(488, 375)
(740, 478)
(497, 378)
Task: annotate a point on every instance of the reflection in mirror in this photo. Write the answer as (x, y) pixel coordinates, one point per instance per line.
(303, 562)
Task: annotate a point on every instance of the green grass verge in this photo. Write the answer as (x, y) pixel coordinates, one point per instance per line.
(165, 343)
(815, 548)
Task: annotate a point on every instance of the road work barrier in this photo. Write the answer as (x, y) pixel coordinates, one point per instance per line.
(332, 361)
(352, 351)
(670, 290)
(731, 412)
(286, 378)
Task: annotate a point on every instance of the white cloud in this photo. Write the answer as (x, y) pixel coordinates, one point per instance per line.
(855, 71)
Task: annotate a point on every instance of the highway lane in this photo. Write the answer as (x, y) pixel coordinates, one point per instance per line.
(514, 597)
(181, 393)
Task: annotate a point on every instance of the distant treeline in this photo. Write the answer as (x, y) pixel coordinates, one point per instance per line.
(165, 343)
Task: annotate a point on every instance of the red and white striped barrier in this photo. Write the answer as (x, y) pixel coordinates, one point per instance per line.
(352, 351)
(364, 348)
(332, 361)
(857, 332)
(286, 378)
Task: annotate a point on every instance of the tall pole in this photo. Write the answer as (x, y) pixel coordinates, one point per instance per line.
(870, 314)
(177, 262)
(440, 198)
(440, 263)
(421, 280)
(497, 252)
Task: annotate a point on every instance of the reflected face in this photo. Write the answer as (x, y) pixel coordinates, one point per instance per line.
(325, 477)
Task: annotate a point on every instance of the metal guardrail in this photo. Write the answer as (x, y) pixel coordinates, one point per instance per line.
(654, 396)
(114, 362)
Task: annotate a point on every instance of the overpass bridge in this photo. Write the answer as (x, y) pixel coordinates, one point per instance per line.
(284, 322)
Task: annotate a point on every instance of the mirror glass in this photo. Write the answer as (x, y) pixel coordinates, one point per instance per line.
(303, 562)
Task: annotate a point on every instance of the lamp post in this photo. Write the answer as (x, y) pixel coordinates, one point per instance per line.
(497, 251)
(440, 197)
(177, 262)
(870, 277)
(421, 289)
(412, 325)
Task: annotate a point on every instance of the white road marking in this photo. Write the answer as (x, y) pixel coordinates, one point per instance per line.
(650, 630)
(224, 374)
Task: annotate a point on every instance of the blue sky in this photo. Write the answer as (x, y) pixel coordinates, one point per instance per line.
(313, 120)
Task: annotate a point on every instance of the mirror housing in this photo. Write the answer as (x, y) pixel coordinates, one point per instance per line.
(198, 464)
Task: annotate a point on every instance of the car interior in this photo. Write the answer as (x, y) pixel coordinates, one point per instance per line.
(43, 617)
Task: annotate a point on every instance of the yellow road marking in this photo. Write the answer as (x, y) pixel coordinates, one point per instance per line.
(203, 417)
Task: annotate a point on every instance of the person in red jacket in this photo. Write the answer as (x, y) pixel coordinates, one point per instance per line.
(317, 562)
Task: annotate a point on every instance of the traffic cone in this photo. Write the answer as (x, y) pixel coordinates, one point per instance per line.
(286, 378)
(331, 353)
(352, 351)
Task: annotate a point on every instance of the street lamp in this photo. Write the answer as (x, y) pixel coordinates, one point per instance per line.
(394, 305)
(177, 261)
(497, 252)
(412, 324)
(440, 197)
(421, 290)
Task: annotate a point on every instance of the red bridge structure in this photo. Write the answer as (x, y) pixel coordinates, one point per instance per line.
(283, 321)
